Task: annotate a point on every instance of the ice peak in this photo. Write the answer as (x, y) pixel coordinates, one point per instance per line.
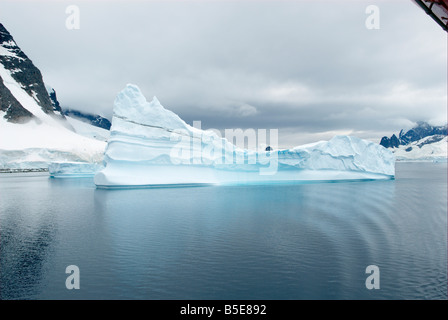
(130, 104)
(132, 93)
(129, 98)
(155, 102)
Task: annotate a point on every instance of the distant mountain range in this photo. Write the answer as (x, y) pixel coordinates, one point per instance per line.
(422, 142)
(93, 119)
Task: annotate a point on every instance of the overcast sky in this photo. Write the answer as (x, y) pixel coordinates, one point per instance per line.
(308, 68)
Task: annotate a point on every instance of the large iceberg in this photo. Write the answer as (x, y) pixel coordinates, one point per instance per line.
(152, 146)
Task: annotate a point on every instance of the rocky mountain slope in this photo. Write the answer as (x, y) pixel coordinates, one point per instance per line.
(33, 128)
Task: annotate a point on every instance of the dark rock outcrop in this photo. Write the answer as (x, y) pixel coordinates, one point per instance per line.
(14, 111)
(391, 142)
(422, 130)
(93, 119)
(57, 109)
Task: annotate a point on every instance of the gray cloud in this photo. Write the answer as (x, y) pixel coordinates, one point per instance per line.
(310, 69)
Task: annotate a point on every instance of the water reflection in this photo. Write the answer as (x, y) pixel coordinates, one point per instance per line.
(297, 241)
(27, 239)
(239, 236)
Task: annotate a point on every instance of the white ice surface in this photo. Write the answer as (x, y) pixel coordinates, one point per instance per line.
(42, 140)
(33, 145)
(152, 146)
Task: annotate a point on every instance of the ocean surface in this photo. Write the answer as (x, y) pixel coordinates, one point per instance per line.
(295, 241)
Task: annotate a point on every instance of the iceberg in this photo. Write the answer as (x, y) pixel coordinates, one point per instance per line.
(73, 169)
(150, 146)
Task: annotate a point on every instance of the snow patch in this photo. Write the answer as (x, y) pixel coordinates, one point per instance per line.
(419, 151)
(8, 53)
(34, 145)
(34, 95)
(85, 129)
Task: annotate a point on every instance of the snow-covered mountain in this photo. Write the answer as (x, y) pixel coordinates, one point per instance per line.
(33, 129)
(422, 142)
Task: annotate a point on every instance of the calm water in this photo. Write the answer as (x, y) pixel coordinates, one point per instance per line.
(304, 241)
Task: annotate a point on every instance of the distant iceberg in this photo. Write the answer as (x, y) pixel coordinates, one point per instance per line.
(73, 169)
(152, 146)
